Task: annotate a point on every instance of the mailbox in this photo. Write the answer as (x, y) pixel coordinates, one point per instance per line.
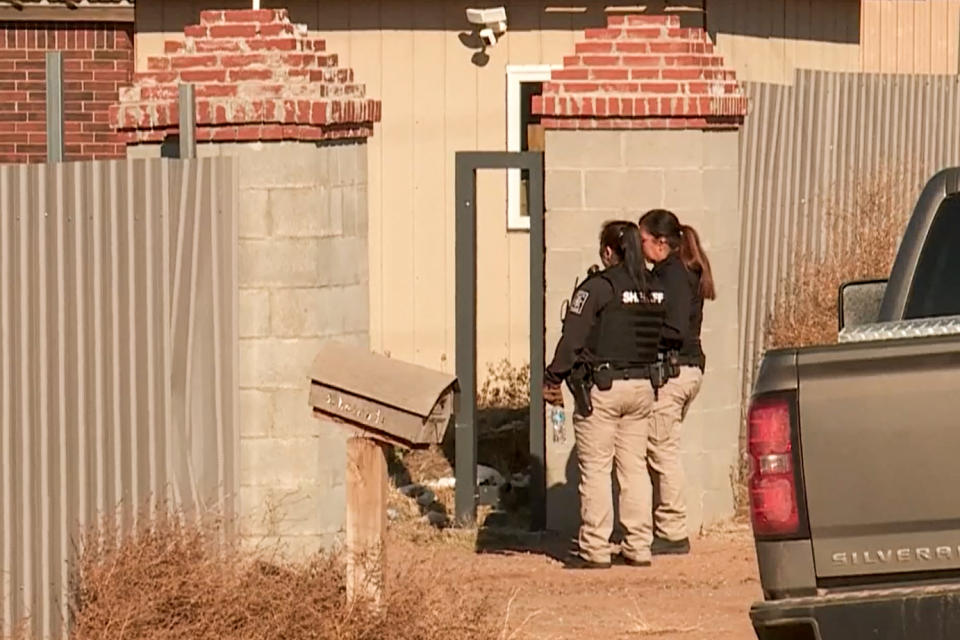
(381, 398)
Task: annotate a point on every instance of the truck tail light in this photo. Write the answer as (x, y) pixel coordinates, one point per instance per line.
(777, 507)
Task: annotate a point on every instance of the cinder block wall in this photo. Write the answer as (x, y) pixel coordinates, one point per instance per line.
(298, 126)
(303, 280)
(594, 176)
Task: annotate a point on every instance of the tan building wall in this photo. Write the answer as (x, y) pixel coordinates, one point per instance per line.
(436, 101)
(910, 36)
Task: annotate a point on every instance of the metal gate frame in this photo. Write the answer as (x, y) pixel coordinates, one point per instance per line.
(467, 165)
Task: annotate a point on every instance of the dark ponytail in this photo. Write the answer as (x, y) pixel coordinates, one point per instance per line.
(623, 238)
(684, 239)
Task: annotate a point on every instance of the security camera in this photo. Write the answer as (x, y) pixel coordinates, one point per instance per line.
(491, 23)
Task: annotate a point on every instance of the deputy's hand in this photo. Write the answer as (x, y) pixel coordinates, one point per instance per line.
(552, 394)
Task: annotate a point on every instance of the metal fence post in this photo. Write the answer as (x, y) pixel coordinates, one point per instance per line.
(55, 148)
(188, 122)
(466, 340)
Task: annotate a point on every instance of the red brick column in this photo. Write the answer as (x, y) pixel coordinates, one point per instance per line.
(644, 115)
(258, 77)
(642, 72)
(98, 60)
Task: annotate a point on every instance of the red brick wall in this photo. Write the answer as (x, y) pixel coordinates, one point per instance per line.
(98, 60)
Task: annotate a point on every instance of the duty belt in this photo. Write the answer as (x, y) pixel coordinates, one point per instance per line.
(639, 372)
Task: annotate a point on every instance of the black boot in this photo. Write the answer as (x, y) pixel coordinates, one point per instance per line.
(575, 561)
(664, 547)
(630, 562)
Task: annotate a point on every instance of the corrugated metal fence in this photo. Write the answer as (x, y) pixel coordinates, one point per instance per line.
(117, 353)
(803, 144)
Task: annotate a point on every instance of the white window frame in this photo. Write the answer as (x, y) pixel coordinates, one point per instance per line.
(517, 74)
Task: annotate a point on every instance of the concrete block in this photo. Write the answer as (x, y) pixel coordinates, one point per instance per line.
(562, 268)
(343, 261)
(277, 164)
(256, 413)
(718, 506)
(721, 188)
(254, 312)
(293, 415)
(286, 462)
(359, 339)
(363, 164)
(721, 149)
(349, 215)
(363, 211)
(280, 262)
(348, 157)
(691, 435)
(271, 363)
(293, 548)
(719, 469)
(721, 387)
(308, 312)
(683, 189)
(723, 232)
(294, 512)
(724, 431)
(571, 229)
(300, 213)
(254, 212)
(694, 498)
(624, 191)
(665, 150)
(356, 308)
(335, 210)
(563, 189)
(722, 348)
(583, 149)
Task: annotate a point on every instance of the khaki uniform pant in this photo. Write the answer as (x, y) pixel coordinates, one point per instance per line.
(670, 516)
(616, 432)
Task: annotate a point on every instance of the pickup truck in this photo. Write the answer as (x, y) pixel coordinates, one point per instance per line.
(855, 454)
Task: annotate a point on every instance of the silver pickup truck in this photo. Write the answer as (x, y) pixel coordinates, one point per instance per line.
(855, 454)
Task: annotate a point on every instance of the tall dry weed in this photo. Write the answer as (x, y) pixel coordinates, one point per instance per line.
(174, 580)
(505, 387)
(861, 243)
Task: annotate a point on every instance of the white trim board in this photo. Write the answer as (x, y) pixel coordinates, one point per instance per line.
(516, 74)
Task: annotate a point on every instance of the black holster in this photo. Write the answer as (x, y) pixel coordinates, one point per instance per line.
(580, 382)
(667, 367)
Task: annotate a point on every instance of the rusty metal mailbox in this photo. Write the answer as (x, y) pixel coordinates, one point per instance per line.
(382, 402)
(381, 398)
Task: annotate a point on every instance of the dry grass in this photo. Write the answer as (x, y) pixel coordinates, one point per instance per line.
(862, 243)
(174, 580)
(505, 387)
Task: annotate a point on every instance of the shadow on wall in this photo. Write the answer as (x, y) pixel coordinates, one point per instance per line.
(834, 21)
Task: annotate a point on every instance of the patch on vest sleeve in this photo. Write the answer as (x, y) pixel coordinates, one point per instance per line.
(579, 300)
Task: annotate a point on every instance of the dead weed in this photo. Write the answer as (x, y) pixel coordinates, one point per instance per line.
(861, 243)
(175, 579)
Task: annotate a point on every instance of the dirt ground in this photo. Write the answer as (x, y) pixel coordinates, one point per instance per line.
(704, 595)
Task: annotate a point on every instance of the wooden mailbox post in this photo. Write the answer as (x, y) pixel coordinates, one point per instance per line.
(381, 401)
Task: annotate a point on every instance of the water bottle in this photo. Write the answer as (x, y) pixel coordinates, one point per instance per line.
(558, 420)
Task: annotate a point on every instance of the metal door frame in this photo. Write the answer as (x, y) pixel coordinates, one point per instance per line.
(467, 165)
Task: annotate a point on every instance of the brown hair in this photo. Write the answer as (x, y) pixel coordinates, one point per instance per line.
(661, 223)
(623, 238)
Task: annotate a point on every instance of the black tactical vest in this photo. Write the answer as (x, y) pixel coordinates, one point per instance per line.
(628, 330)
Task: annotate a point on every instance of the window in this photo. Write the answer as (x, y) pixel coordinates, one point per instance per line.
(935, 290)
(523, 134)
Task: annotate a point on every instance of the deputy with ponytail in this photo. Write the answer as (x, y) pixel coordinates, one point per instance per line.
(682, 268)
(612, 330)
